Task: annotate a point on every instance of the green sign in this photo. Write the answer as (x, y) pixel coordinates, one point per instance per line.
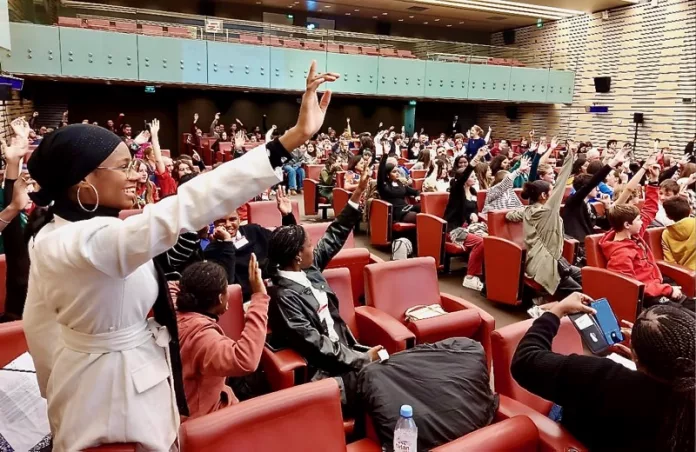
(412, 102)
(540, 23)
(150, 89)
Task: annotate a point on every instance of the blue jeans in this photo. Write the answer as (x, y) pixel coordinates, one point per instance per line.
(295, 176)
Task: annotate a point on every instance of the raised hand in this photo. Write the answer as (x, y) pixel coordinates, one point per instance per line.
(542, 148)
(255, 278)
(196, 157)
(533, 146)
(618, 158)
(35, 114)
(154, 127)
(313, 110)
(16, 151)
(221, 234)
(554, 143)
(21, 128)
(239, 140)
(348, 120)
(468, 133)
(195, 117)
(143, 137)
(217, 115)
(20, 195)
(524, 164)
(283, 202)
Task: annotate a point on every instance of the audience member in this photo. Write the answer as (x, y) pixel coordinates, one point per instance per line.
(501, 195)
(679, 239)
(392, 189)
(327, 177)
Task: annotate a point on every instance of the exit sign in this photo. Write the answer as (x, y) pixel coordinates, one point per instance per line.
(412, 102)
(540, 23)
(150, 89)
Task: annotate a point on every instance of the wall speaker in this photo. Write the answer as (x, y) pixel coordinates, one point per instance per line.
(511, 112)
(602, 84)
(638, 118)
(509, 37)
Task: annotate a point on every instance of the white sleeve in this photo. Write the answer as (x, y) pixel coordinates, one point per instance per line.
(118, 248)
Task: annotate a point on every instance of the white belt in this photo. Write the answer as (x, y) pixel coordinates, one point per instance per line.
(116, 341)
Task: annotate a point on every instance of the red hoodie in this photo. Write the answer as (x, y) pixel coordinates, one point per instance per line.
(208, 356)
(632, 257)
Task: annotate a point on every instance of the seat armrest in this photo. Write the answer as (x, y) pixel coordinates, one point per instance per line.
(341, 196)
(380, 222)
(375, 259)
(553, 436)
(504, 263)
(625, 295)
(284, 368)
(570, 247)
(681, 275)
(379, 328)
(450, 303)
(431, 234)
(464, 323)
(310, 195)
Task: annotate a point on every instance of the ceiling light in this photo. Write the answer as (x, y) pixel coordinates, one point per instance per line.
(258, 3)
(425, 23)
(384, 14)
(356, 10)
(401, 20)
(374, 17)
(410, 17)
(437, 20)
(327, 6)
(449, 25)
(461, 22)
(347, 14)
(507, 7)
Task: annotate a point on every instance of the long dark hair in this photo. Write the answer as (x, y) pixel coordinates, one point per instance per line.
(285, 244)
(200, 287)
(664, 342)
(533, 190)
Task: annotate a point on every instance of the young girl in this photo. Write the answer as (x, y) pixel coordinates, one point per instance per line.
(437, 179)
(392, 190)
(145, 190)
(208, 356)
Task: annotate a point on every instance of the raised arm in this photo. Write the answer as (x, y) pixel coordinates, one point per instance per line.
(487, 139)
(269, 133)
(154, 135)
(213, 124)
(554, 202)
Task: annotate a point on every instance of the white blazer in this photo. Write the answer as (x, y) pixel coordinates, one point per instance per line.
(101, 365)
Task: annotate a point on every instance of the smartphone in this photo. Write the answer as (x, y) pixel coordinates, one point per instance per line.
(590, 332)
(607, 321)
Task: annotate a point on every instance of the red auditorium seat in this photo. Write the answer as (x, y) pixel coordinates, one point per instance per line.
(505, 257)
(417, 184)
(387, 52)
(152, 30)
(249, 39)
(355, 260)
(405, 54)
(370, 50)
(316, 232)
(351, 50)
(418, 174)
(504, 342)
(306, 418)
(232, 321)
(313, 171)
(382, 225)
(166, 153)
(313, 201)
(336, 48)
(126, 27)
(314, 45)
(292, 44)
(127, 213)
(681, 275)
(70, 22)
(12, 340)
(393, 287)
(266, 214)
(432, 231)
(98, 24)
(3, 282)
(625, 294)
(341, 196)
(178, 32)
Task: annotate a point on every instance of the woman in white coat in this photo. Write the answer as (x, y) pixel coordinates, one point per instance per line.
(110, 374)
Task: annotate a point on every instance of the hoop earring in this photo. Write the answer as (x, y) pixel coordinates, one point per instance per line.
(96, 193)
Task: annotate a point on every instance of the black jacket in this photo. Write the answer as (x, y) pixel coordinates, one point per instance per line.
(459, 209)
(578, 217)
(292, 313)
(394, 193)
(236, 261)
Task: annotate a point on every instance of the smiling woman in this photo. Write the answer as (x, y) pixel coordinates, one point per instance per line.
(103, 365)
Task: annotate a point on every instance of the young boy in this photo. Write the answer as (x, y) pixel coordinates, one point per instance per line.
(626, 251)
(679, 239)
(668, 189)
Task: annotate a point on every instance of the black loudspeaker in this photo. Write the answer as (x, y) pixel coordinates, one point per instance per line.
(383, 28)
(5, 93)
(511, 112)
(638, 118)
(602, 84)
(509, 37)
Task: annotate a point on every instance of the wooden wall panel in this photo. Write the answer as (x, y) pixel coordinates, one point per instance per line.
(650, 54)
(12, 109)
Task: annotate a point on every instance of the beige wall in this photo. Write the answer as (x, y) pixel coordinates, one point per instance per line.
(650, 54)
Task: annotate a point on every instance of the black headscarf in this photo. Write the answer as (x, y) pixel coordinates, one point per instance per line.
(63, 159)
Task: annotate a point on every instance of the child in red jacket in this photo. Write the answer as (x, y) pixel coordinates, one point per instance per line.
(626, 251)
(208, 356)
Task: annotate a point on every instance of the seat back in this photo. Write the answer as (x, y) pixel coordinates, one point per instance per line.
(13, 341)
(498, 226)
(593, 253)
(653, 236)
(305, 417)
(517, 434)
(504, 342)
(418, 174)
(266, 214)
(434, 203)
(126, 27)
(339, 281)
(481, 199)
(317, 230)
(395, 286)
(3, 282)
(70, 22)
(232, 321)
(313, 171)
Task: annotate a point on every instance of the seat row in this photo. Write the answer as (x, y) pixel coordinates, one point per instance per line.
(289, 416)
(125, 27)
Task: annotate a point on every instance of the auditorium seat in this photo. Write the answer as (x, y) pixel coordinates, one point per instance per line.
(369, 50)
(418, 174)
(13, 341)
(351, 50)
(178, 32)
(387, 52)
(355, 260)
(3, 282)
(405, 54)
(126, 27)
(393, 287)
(313, 171)
(504, 342)
(232, 321)
(313, 201)
(505, 258)
(625, 294)
(417, 184)
(381, 224)
(316, 45)
(151, 30)
(266, 213)
(166, 153)
(681, 275)
(249, 39)
(98, 24)
(341, 196)
(292, 44)
(304, 418)
(74, 22)
(431, 232)
(316, 231)
(336, 48)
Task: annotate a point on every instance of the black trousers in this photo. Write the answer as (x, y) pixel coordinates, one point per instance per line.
(571, 279)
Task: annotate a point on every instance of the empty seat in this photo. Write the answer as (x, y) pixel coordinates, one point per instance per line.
(352, 50)
(249, 39)
(388, 52)
(179, 32)
(315, 45)
(405, 54)
(126, 27)
(369, 50)
(266, 214)
(70, 22)
(152, 30)
(292, 43)
(98, 24)
(333, 48)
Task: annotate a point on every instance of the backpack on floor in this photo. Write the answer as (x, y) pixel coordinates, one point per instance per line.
(401, 249)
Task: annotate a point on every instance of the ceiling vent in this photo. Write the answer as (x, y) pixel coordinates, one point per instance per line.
(417, 9)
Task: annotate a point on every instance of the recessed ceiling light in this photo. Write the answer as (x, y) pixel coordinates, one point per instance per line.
(347, 14)
(401, 20)
(384, 14)
(437, 20)
(356, 10)
(410, 17)
(374, 17)
(258, 3)
(327, 6)
(425, 23)
(461, 23)
(449, 25)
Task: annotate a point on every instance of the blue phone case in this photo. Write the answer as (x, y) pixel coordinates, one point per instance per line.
(607, 321)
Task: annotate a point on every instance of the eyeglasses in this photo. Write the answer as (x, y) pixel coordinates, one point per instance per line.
(125, 168)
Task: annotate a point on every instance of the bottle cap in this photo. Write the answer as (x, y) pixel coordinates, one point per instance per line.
(406, 411)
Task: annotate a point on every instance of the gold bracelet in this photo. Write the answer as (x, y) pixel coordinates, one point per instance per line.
(5, 221)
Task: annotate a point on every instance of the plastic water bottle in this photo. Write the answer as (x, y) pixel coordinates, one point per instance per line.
(406, 432)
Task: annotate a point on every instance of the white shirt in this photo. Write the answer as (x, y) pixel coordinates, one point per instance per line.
(102, 369)
(321, 297)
